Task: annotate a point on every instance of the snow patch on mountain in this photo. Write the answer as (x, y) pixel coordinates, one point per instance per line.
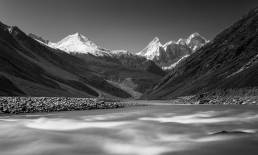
(175, 64)
(76, 43)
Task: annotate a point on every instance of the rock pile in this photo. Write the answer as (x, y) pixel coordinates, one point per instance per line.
(15, 105)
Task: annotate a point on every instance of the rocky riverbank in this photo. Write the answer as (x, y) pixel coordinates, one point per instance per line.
(15, 105)
(222, 96)
(228, 100)
(209, 99)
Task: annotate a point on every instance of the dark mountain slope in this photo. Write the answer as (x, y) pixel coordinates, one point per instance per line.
(229, 61)
(28, 65)
(8, 88)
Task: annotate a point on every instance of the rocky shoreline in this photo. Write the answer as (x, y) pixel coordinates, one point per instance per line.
(221, 100)
(16, 105)
(241, 96)
(237, 100)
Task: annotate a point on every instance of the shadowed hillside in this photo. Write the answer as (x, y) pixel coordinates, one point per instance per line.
(28, 68)
(229, 61)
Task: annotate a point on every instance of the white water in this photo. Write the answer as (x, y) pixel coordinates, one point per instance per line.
(151, 130)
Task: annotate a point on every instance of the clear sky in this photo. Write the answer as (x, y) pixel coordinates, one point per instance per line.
(123, 24)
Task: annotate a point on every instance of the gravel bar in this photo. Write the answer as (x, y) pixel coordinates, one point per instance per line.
(16, 105)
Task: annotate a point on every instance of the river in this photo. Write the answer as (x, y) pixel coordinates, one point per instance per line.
(147, 130)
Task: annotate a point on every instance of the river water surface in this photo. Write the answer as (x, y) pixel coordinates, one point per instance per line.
(147, 130)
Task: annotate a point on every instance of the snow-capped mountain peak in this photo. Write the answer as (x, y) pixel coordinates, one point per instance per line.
(169, 53)
(76, 43)
(152, 49)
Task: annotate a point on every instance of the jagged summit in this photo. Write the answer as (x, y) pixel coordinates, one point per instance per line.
(172, 51)
(194, 39)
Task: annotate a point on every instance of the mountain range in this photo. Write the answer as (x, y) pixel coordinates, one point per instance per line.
(168, 54)
(165, 56)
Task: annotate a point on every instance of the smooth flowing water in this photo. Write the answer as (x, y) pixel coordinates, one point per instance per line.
(148, 130)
